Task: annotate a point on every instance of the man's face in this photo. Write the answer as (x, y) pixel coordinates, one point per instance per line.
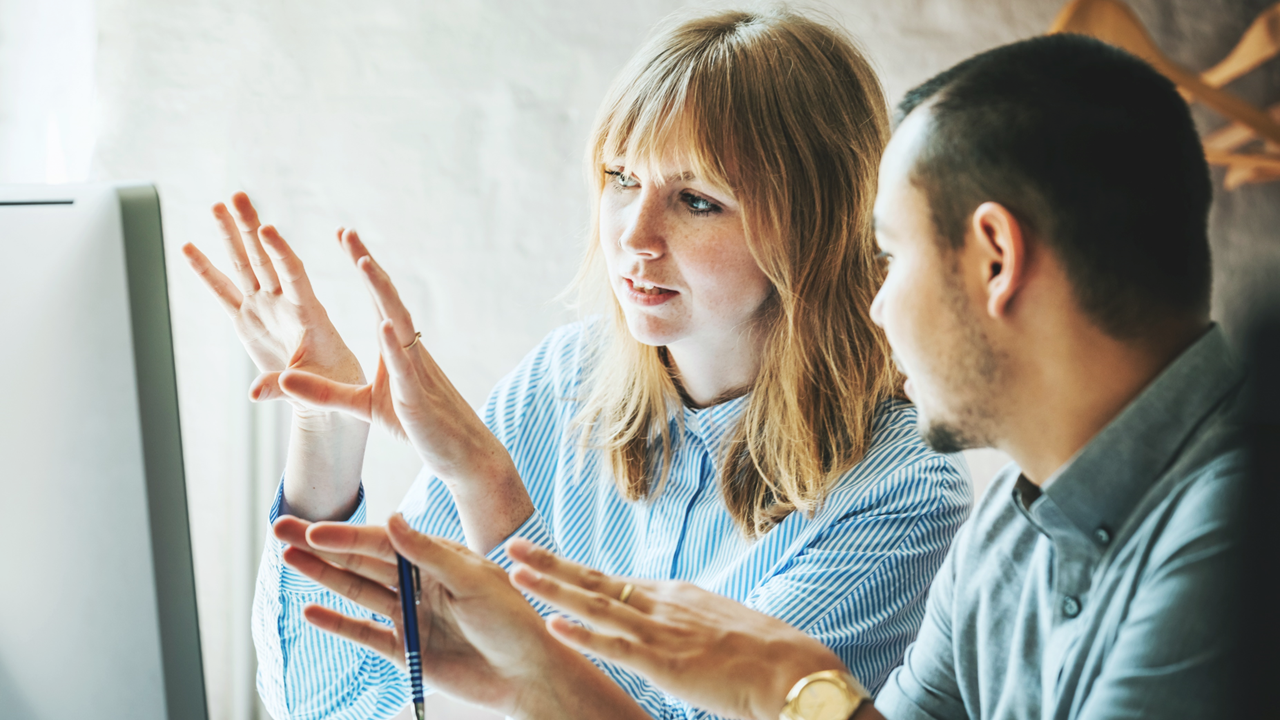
(931, 313)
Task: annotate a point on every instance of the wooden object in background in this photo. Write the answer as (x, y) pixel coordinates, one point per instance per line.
(1115, 23)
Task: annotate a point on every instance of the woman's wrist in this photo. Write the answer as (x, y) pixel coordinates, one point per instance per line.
(322, 471)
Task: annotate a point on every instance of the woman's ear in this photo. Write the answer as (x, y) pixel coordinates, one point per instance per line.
(1002, 250)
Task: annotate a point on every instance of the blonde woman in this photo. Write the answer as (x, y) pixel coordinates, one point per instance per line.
(731, 420)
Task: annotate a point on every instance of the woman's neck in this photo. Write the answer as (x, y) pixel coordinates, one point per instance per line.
(713, 372)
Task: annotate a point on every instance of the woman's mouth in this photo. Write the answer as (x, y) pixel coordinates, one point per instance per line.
(647, 294)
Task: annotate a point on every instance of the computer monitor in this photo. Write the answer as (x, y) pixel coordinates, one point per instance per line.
(98, 608)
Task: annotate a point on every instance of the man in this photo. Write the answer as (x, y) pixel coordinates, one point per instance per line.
(1042, 210)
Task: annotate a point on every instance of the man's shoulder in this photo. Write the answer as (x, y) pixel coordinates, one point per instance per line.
(1198, 506)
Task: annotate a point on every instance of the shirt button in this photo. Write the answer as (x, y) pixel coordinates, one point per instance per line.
(1102, 535)
(1070, 606)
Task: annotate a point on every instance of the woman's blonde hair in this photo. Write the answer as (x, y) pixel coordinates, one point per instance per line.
(788, 114)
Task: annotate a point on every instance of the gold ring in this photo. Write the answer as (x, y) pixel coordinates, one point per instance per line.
(416, 338)
(626, 592)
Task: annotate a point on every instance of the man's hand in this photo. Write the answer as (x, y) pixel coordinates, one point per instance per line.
(480, 639)
(709, 650)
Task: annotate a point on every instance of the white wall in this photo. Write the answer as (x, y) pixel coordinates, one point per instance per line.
(450, 134)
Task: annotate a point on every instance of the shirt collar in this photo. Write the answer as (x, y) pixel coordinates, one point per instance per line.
(1101, 485)
(711, 424)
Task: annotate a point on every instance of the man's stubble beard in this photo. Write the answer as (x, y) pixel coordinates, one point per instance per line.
(970, 374)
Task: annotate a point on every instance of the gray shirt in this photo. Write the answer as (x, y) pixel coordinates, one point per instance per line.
(1103, 594)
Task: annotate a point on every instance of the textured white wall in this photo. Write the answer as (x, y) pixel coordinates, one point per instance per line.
(450, 134)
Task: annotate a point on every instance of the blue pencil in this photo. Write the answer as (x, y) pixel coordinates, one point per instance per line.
(410, 587)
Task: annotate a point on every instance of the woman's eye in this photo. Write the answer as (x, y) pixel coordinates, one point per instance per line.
(884, 259)
(699, 205)
(622, 179)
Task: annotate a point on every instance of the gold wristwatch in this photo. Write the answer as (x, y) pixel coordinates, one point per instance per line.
(826, 695)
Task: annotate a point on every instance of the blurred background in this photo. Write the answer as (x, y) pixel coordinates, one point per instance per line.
(451, 136)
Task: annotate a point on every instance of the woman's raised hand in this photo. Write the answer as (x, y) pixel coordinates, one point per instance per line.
(711, 651)
(283, 326)
(272, 307)
(411, 398)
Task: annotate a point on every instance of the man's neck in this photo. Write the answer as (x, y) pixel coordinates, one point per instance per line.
(1072, 387)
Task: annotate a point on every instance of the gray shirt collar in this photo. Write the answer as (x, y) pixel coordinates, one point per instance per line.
(1099, 488)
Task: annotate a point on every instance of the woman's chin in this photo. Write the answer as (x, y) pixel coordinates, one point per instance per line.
(648, 330)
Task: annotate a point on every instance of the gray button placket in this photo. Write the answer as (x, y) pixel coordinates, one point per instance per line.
(1074, 556)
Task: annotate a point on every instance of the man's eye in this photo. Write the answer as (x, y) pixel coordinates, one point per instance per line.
(622, 179)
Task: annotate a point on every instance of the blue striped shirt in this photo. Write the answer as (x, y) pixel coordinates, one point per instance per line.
(854, 575)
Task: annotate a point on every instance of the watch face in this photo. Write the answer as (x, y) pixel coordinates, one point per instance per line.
(824, 700)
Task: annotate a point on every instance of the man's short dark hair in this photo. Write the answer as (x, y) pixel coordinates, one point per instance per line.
(1094, 152)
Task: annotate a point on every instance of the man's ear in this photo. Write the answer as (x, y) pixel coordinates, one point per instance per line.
(1002, 249)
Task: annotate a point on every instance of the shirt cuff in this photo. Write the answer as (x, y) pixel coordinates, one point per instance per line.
(292, 581)
(534, 530)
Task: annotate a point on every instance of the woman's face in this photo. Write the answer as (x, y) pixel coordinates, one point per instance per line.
(677, 257)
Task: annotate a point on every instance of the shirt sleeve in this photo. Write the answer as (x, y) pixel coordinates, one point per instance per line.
(304, 672)
(925, 686)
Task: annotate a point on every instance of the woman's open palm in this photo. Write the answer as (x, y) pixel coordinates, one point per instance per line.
(271, 304)
(410, 396)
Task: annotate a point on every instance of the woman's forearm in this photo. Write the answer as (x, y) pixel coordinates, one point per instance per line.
(493, 504)
(322, 470)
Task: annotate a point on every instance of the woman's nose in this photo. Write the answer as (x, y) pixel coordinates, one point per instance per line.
(877, 307)
(644, 234)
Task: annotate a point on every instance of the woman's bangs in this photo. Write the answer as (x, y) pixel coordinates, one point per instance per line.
(666, 120)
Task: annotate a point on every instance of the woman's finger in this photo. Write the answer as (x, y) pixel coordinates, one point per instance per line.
(266, 387)
(548, 563)
(356, 588)
(242, 271)
(321, 392)
(387, 298)
(601, 610)
(293, 531)
(370, 540)
(608, 647)
(228, 295)
(350, 243)
(370, 633)
(398, 362)
(247, 222)
(294, 282)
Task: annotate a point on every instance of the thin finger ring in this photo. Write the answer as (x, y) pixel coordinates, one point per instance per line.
(626, 593)
(416, 339)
